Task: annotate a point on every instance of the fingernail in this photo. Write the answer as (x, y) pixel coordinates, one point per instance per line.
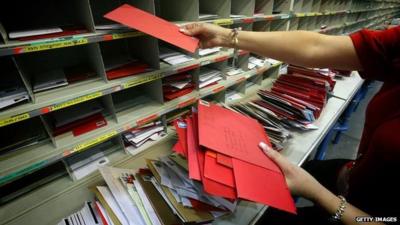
(183, 30)
(266, 149)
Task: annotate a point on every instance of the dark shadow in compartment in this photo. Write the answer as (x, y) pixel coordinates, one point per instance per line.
(13, 92)
(48, 70)
(177, 85)
(281, 6)
(177, 10)
(45, 19)
(138, 100)
(218, 97)
(101, 7)
(80, 165)
(179, 113)
(316, 5)
(79, 119)
(30, 182)
(242, 7)
(173, 55)
(264, 7)
(211, 10)
(297, 6)
(254, 81)
(20, 135)
(235, 92)
(262, 26)
(3, 35)
(279, 25)
(132, 56)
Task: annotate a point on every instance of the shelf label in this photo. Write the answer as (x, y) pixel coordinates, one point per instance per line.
(223, 22)
(285, 16)
(186, 103)
(300, 14)
(55, 44)
(142, 80)
(248, 20)
(189, 68)
(218, 89)
(76, 101)
(143, 121)
(220, 59)
(126, 35)
(205, 62)
(240, 79)
(14, 119)
(93, 142)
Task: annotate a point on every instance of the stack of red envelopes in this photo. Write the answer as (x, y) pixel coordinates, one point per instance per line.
(221, 147)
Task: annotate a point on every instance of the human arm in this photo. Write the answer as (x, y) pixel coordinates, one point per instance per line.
(301, 183)
(301, 48)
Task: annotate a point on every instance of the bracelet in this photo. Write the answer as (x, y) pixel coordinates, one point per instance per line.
(234, 36)
(339, 212)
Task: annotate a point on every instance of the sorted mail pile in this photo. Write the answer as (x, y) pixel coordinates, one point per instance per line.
(177, 85)
(162, 194)
(138, 137)
(221, 147)
(209, 77)
(173, 57)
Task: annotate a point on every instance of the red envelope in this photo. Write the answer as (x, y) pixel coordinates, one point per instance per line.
(77, 123)
(181, 130)
(217, 172)
(178, 148)
(192, 156)
(224, 160)
(127, 70)
(95, 122)
(152, 25)
(233, 134)
(212, 187)
(258, 184)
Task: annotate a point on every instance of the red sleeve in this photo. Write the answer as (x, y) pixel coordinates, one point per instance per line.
(379, 53)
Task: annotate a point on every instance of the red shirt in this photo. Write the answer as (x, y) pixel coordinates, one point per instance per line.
(374, 184)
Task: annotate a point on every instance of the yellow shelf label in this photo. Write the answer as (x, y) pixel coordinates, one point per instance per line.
(142, 80)
(223, 22)
(93, 142)
(14, 119)
(300, 14)
(126, 35)
(75, 101)
(55, 44)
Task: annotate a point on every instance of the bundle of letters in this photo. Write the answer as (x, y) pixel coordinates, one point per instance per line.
(295, 100)
(161, 194)
(86, 216)
(177, 85)
(209, 76)
(173, 57)
(222, 151)
(137, 137)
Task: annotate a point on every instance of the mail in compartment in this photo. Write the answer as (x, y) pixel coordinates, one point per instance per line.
(101, 7)
(138, 102)
(73, 66)
(177, 85)
(23, 134)
(12, 89)
(79, 119)
(68, 18)
(211, 74)
(144, 136)
(242, 8)
(30, 182)
(129, 57)
(174, 56)
(84, 163)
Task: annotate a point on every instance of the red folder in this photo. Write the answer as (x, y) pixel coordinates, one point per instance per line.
(233, 134)
(94, 123)
(82, 126)
(181, 130)
(217, 172)
(193, 148)
(173, 95)
(152, 25)
(127, 70)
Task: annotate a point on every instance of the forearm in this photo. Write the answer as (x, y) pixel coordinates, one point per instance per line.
(330, 203)
(302, 48)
